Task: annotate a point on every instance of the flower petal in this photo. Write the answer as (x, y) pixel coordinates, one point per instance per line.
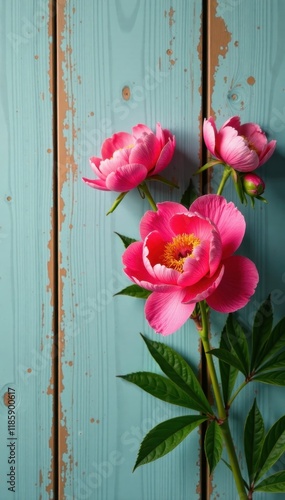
(117, 141)
(210, 135)
(139, 130)
(203, 288)
(220, 212)
(234, 122)
(119, 159)
(234, 150)
(162, 135)
(126, 178)
(96, 183)
(160, 220)
(267, 152)
(95, 165)
(165, 157)
(133, 261)
(152, 255)
(165, 312)
(196, 266)
(255, 136)
(146, 151)
(237, 285)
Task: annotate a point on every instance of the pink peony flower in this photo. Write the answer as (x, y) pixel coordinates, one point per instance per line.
(242, 147)
(253, 185)
(128, 159)
(186, 256)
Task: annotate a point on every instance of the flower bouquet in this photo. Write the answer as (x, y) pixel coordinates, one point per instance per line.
(184, 266)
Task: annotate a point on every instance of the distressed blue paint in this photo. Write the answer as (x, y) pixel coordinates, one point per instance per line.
(115, 44)
(249, 82)
(25, 220)
(109, 45)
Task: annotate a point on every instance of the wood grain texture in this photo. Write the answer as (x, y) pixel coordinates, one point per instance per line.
(248, 62)
(103, 48)
(25, 239)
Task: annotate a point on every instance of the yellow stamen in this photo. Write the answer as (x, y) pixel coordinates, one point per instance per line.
(249, 144)
(178, 250)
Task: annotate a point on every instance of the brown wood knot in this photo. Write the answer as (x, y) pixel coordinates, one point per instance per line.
(126, 93)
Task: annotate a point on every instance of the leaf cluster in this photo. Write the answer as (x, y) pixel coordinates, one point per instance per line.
(180, 387)
(262, 451)
(259, 355)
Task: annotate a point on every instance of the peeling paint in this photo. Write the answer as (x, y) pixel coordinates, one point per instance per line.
(218, 42)
(67, 175)
(170, 15)
(50, 271)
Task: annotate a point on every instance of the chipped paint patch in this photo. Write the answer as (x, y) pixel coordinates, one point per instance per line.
(218, 42)
(251, 80)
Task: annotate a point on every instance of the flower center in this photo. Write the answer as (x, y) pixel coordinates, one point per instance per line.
(249, 144)
(178, 250)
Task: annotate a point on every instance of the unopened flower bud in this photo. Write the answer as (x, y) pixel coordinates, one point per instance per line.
(253, 185)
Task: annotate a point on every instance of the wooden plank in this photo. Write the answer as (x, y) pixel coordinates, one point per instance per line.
(26, 270)
(104, 47)
(246, 75)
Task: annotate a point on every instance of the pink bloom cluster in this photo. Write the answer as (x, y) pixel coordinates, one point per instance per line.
(186, 256)
(242, 147)
(128, 159)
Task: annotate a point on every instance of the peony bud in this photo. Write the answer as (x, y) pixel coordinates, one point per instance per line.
(253, 185)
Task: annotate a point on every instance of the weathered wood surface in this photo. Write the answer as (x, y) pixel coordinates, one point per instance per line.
(72, 74)
(151, 48)
(26, 241)
(246, 78)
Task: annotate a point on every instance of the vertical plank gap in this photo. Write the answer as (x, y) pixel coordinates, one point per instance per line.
(55, 358)
(204, 471)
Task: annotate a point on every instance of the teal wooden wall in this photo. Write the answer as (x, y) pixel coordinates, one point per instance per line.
(64, 336)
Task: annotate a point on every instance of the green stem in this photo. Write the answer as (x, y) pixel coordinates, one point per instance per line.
(143, 187)
(226, 175)
(204, 334)
(117, 202)
(245, 382)
(207, 165)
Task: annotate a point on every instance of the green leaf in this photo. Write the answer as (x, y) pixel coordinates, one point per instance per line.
(262, 327)
(125, 239)
(274, 363)
(238, 342)
(253, 440)
(134, 291)
(229, 358)
(228, 373)
(272, 484)
(273, 447)
(117, 202)
(239, 187)
(213, 445)
(160, 387)
(276, 377)
(227, 464)
(275, 342)
(178, 370)
(165, 437)
(189, 195)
